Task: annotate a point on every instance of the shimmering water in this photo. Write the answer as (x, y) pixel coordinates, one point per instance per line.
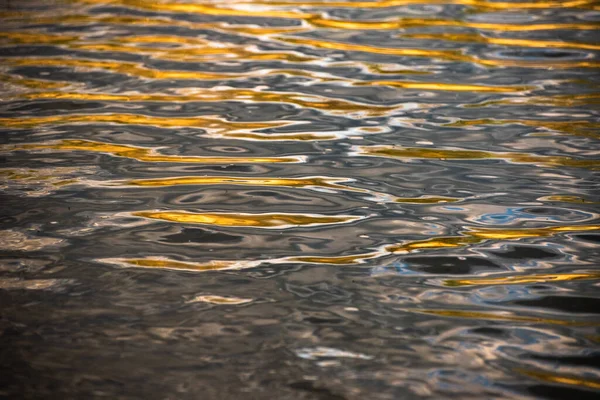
(278, 199)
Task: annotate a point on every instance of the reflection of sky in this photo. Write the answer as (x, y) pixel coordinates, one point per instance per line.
(514, 214)
(397, 267)
(502, 293)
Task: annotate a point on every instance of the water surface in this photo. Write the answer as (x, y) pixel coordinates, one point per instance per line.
(278, 199)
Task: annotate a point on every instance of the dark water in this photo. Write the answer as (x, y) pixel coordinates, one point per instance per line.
(299, 200)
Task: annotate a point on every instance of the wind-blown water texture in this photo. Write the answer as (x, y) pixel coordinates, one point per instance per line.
(279, 199)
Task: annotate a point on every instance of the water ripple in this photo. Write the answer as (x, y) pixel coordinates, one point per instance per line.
(381, 199)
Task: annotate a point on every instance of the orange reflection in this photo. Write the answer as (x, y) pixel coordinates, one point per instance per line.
(448, 55)
(459, 154)
(585, 128)
(247, 220)
(524, 279)
(164, 263)
(561, 379)
(119, 67)
(567, 100)
(480, 4)
(479, 38)
(212, 95)
(403, 23)
(209, 124)
(447, 86)
(501, 316)
(310, 182)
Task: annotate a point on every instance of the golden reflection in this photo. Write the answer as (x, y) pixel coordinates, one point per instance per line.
(448, 55)
(194, 53)
(266, 12)
(205, 9)
(566, 199)
(70, 19)
(383, 69)
(452, 55)
(219, 300)
(310, 182)
(117, 66)
(512, 234)
(470, 236)
(567, 100)
(552, 377)
(432, 243)
(524, 279)
(479, 38)
(313, 19)
(164, 263)
(35, 38)
(584, 128)
(212, 95)
(447, 86)
(268, 220)
(144, 154)
(32, 83)
(477, 235)
(459, 154)
(303, 137)
(403, 23)
(335, 260)
(480, 4)
(501, 316)
(426, 200)
(208, 124)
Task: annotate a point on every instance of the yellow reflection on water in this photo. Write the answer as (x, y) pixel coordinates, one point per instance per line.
(74, 19)
(205, 9)
(566, 100)
(269, 220)
(479, 38)
(426, 200)
(566, 199)
(164, 263)
(470, 236)
(459, 154)
(403, 23)
(209, 124)
(313, 181)
(188, 52)
(212, 95)
(117, 66)
(32, 83)
(35, 38)
(585, 128)
(448, 55)
(478, 235)
(501, 316)
(480, 4)
(323, 44)
(447, 86)
(144, 154)
(335, 260)
(302, 137)
(524, 279)
(432, 243)
(552, 377)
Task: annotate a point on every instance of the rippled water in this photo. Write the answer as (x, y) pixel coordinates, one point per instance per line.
(278, 199)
